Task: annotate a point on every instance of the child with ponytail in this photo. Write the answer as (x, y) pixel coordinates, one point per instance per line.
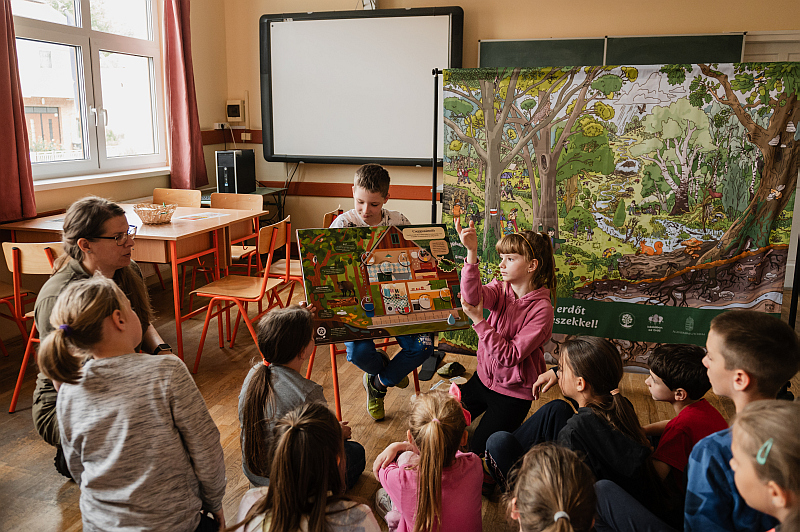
(511, 339)
(285, 338)
(552, 491)
(432, 485)
(766, 460)
(605, 430)
(123, 415)
(306, 480)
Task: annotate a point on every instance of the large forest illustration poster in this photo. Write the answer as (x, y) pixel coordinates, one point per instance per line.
(667, 191)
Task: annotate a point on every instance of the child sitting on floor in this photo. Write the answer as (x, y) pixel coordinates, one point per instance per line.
(285, 338)
(766, 459)
(678, 376)
(552, 491)
(605, 431)
(136, 433)
(306, 480)
(511, 339)
(750, 356)
(437, 487)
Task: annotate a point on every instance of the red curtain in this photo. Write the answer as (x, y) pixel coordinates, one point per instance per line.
(16, 178)
(188, 166)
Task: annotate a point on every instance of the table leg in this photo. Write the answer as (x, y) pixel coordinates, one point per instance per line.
(176, 294)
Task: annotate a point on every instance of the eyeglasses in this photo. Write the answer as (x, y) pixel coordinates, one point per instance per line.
(121, 238)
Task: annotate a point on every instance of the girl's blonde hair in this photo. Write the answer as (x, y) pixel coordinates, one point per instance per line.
(766, 432)
(77, 319)
(553, 479)
(437, 424)
(532, 246)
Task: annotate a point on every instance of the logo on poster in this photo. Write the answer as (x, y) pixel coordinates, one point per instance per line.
(655, 323)
(689, 324)
(626, 320)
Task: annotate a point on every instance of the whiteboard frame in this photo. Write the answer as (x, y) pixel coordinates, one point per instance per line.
(456, 16)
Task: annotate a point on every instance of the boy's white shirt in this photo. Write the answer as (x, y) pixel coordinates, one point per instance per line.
(352, 219)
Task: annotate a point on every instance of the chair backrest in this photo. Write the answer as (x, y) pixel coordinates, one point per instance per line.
(182, 197)
(267, 243)
(35, 258)
(329, 217)
(245, 202)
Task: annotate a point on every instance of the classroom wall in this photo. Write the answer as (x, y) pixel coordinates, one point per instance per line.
(509, 19)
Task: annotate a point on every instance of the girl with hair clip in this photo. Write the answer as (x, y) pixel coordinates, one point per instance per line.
(274, 386)
(552, 491)
(123, 415)
(307, 480)
(766, 460)
(97, 238)
(433, 485)
(605, 430)
(520, 322)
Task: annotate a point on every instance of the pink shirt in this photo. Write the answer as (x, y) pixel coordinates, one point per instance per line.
(461, 494)
(510, 350)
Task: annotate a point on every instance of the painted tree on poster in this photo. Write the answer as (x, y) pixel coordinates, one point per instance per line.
(517, 110)
(771, 89)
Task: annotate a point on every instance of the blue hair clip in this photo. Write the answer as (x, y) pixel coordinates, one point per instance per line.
(763, 452)
(66, 328)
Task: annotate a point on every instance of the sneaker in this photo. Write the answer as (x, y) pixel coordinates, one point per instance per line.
(61, 463)
(403, 383)
(383, 503)
(374, 399)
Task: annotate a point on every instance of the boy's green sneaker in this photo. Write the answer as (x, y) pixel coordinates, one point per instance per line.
(374, 399)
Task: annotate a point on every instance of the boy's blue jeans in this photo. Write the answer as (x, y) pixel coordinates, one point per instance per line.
(415, 349)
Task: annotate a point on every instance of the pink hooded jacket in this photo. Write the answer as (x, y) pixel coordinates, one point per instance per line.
(510, 354)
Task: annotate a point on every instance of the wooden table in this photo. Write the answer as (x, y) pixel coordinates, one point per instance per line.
(193, 232)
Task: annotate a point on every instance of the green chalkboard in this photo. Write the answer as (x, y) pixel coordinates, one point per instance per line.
(656, 50)
(674, 49)
(541, 53)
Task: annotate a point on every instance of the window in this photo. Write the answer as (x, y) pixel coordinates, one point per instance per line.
(91, 81)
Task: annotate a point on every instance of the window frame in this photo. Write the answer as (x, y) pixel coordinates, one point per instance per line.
(89, 44)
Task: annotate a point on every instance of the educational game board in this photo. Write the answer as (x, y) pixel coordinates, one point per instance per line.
(375, 282)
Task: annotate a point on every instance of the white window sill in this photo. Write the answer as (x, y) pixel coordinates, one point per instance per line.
(81, 181)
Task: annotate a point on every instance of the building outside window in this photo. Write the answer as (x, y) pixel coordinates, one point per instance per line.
(92, 85)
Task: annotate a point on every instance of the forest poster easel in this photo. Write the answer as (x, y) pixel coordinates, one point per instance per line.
(375, 282)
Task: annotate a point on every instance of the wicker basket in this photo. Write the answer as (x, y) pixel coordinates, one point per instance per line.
(153, 213)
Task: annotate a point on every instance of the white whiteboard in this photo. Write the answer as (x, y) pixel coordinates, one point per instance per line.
(354, 90)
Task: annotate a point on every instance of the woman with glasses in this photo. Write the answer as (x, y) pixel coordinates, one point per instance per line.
(96, 238)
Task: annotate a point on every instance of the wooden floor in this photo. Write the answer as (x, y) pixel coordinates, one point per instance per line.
(35, 497)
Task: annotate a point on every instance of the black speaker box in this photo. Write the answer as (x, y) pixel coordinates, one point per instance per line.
(236, 171)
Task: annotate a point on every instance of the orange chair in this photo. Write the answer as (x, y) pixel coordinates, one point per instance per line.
(335, 371)
(247, 202)
(240, 290)
(329, 217)
(24, 259)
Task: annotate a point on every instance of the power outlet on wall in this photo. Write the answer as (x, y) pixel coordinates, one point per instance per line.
(219, 125)
(245, 136)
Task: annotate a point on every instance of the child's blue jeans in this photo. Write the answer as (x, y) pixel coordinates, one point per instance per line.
(414, 350)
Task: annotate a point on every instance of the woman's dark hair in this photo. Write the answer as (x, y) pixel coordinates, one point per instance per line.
(86, 218)
(598, 362)
(282, 336)
(308, 455)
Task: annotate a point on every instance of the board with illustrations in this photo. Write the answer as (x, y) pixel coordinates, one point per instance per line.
(376, 282)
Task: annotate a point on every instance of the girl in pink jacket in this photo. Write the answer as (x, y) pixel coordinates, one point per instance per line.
(520, 322)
